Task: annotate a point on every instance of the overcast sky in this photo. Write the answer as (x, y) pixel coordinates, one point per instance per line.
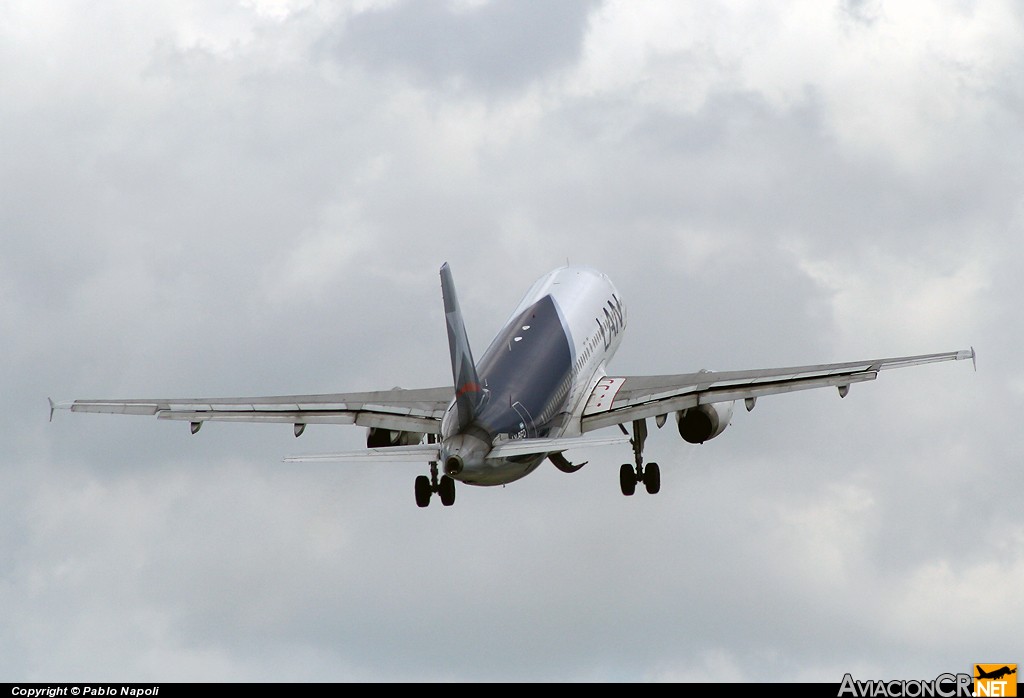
(254, 197)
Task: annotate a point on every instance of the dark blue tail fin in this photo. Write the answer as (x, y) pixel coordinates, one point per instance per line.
(468, 390)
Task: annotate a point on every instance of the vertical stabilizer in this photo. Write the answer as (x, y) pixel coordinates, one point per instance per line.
(468, 391)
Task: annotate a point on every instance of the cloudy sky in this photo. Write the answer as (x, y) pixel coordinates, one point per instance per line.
(246, 197)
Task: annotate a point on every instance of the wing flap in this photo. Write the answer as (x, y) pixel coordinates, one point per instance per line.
(283, 417)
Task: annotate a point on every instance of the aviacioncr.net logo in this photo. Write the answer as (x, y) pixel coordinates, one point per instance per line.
(942, 686)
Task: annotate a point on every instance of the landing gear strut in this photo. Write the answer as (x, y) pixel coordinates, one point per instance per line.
(426, 486)
(630, 475)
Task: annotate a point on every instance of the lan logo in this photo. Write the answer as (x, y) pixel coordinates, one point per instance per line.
(995, 680)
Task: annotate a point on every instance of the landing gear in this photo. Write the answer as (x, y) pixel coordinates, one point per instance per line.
(650, 476)
(426, 486)
(630, 475)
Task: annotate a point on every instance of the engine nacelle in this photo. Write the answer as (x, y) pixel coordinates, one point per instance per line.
(698, 424)
(379, 438)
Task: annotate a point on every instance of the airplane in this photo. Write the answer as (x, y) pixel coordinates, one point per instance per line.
(539, 390)
(996, 674)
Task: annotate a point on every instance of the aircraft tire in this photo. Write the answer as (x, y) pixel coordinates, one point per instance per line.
(446, 490)
(422, 491)
(652, 478)
(627, 479)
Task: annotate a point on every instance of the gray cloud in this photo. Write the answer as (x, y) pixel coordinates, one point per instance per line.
(489, 47)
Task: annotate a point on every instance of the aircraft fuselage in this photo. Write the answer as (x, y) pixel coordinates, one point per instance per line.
(536, 374)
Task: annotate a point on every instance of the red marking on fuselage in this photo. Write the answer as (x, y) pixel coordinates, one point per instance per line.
(468, 388)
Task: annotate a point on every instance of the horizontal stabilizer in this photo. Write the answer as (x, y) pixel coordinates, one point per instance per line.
(432, 452)
(418, 453)
(526, 447)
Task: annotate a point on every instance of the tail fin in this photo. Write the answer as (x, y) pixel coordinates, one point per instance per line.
(468, 391)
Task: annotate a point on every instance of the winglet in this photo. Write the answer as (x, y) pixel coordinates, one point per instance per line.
(965, 354)
(66, 405)
(468, 390)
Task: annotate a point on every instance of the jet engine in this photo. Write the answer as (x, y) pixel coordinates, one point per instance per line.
(378, 438)
(698, 424)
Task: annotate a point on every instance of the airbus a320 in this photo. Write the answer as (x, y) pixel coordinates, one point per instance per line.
(541, 388)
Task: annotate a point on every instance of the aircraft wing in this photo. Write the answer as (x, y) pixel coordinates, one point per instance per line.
(618, 400)
(417, 410)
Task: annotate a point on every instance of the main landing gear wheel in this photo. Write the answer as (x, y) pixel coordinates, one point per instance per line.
(446, 491)
(652, 478)
(423, 491)
(627, 479)
(630, 476)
